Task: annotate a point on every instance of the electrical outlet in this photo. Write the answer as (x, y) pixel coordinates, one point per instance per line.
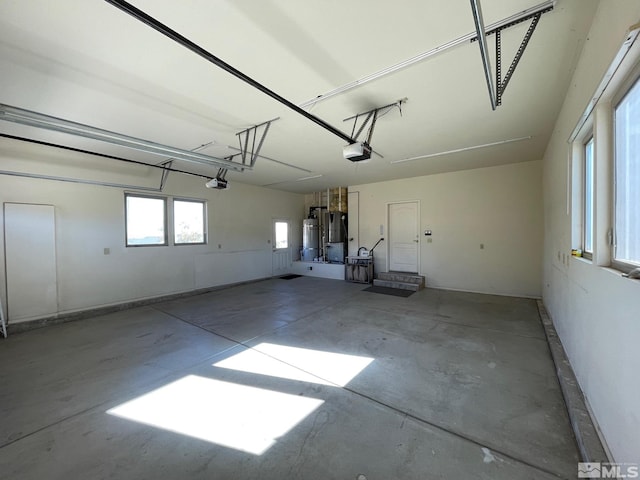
(482, 246)
(107, 251)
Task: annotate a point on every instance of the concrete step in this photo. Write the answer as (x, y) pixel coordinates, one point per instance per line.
(402, 278)
(400, 285)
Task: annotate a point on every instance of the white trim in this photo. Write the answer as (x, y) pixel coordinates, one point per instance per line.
(618, 61)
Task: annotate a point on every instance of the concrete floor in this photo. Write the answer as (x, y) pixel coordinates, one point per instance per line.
(459, 385)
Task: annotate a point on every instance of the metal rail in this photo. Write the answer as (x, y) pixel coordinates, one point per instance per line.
(197, 49)
(482, 43)
(47, 122)
(499, 25)
(162, 167)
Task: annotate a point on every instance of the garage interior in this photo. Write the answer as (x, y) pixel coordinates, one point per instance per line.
(164, 314)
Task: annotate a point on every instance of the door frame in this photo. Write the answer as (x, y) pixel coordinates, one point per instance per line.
(387, 236)
(7, 318)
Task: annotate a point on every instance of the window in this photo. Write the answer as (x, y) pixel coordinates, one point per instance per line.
(587, 231)
(605, 168)
(146, 220)
(152, 221)
(627, 179)
(188, 222)
(282, 234)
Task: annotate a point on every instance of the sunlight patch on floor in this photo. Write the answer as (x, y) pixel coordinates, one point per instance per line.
(244, 418)
(294, 363)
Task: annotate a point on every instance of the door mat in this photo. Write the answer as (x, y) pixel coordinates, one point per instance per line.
(396, 292)
(290, 277)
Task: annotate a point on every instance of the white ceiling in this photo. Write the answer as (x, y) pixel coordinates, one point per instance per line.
(89, 62)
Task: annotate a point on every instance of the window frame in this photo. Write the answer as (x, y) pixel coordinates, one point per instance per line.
(599, 117)
(204, 220)
(632, 80)
(590, 139)
(126, 220)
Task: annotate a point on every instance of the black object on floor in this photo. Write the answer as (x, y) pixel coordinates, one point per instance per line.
(396, 292)
(290, 277)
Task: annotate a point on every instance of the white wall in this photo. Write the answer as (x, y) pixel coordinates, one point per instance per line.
(500, 207)
(594, 309)
(91, 218)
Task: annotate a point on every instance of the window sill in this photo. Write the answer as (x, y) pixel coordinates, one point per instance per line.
(619, 273)
(610, 269)
(583, 260)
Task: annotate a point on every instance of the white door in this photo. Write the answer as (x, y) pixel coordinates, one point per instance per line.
(281, 256)
(353, 223)
(403, 237)
(30, 246)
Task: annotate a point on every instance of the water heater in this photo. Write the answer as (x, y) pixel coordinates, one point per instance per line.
(310, 239)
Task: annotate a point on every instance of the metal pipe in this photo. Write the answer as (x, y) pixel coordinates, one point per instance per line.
(185, 42)
(541, 8)
(47, 122)
(484, 53)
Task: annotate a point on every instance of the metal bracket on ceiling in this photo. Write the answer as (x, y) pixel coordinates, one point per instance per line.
(501, 83)
(249, 151)
(251, 141)
(370, 118)
(221, 176)
(168, 164)
(165, 173)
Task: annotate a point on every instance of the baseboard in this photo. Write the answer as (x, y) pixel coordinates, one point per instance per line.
(64, 317)
(585, 432)
(603, 440)
(514, 295)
